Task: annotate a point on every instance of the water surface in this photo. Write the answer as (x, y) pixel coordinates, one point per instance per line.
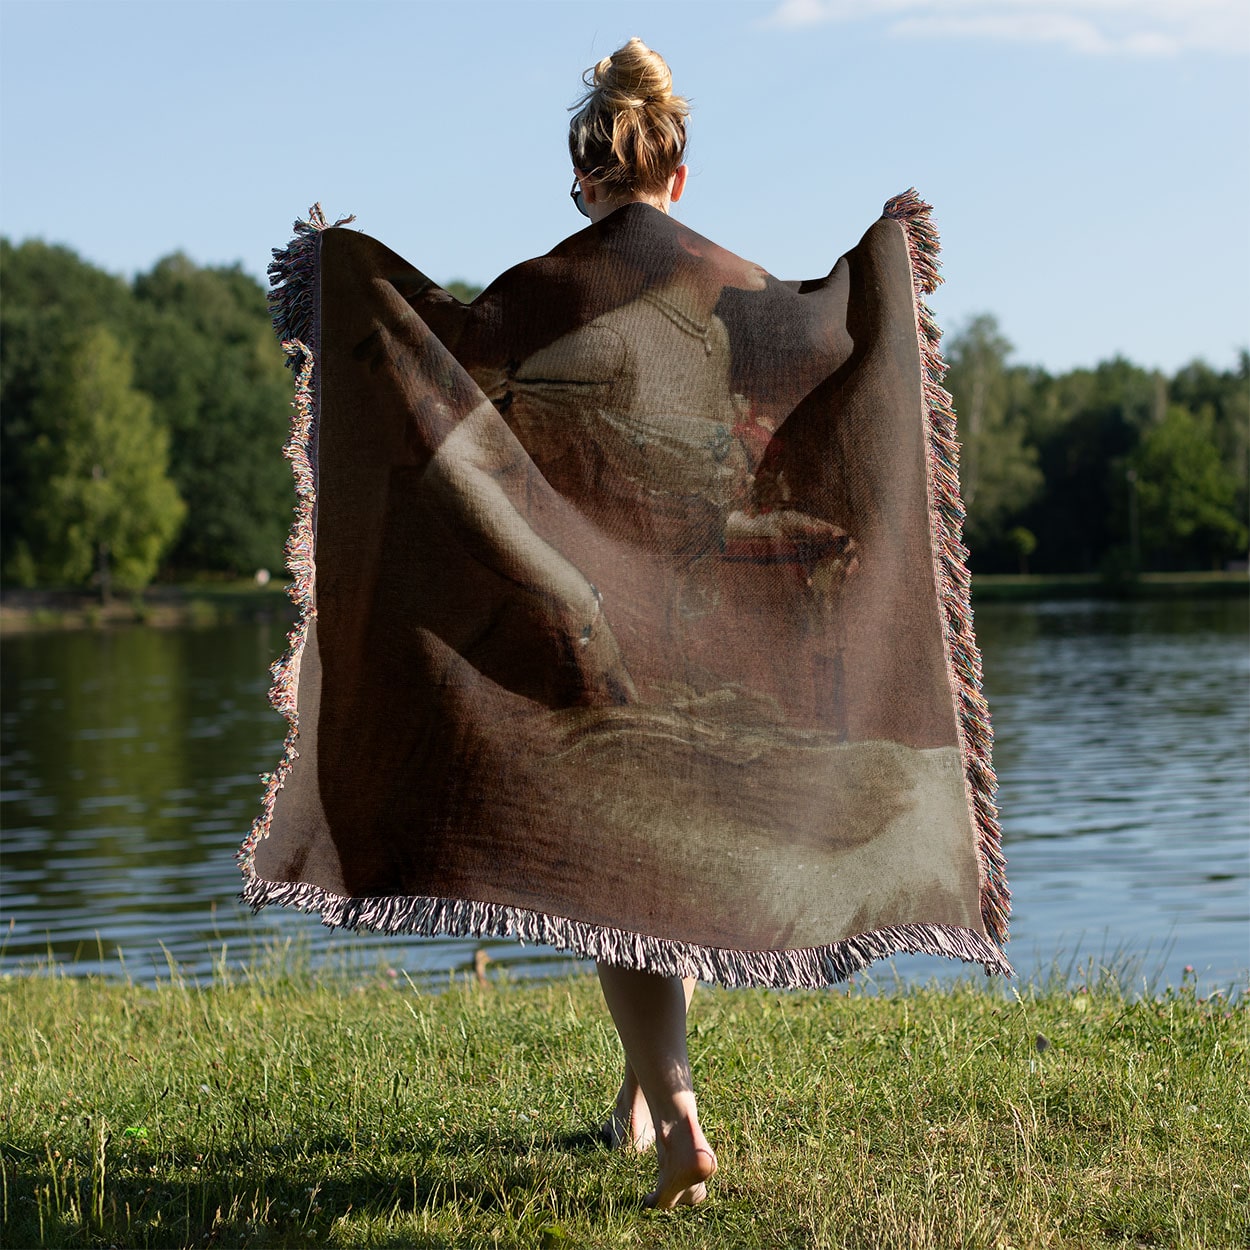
(131, 759)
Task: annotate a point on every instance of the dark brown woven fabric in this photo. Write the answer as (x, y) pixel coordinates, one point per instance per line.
(633, 626)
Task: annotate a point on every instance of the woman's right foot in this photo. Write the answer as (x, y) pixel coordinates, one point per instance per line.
(686, 1165)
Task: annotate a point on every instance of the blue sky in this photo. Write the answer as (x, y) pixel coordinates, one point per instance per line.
(1088, 160)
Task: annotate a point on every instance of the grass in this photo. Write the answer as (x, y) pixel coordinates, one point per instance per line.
(283, 1108)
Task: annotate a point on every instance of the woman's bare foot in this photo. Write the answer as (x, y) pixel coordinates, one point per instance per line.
(629, 1126)
(686, 1165)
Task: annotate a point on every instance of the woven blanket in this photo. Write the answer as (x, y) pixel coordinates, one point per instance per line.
(634, 615)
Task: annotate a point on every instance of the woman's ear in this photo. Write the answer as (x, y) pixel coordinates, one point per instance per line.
(588, 186)
(677, 184)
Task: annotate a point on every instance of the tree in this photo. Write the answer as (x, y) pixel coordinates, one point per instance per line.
(1088, 422)
(1223, 399)
(50, 297)
(465, 292)
(102, 505)
(1090, 467)
(1024, 543)
(208, 357)
(1187, 493)
(997, 468)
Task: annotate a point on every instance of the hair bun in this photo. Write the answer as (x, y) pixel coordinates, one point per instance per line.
(633, 77)
(629, 129)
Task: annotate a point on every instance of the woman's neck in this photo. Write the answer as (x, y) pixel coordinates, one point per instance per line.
(606, 205)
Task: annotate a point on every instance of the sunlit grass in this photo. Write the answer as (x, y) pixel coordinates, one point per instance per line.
(277, 1107)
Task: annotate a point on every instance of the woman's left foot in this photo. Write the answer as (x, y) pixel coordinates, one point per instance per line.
(629, 1126)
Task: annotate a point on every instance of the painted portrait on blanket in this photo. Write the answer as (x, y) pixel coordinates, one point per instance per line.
(626, 602)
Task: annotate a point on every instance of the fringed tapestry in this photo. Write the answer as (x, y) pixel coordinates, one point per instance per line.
(634, 618)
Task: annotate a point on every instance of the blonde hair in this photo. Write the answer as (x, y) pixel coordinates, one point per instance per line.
(629, 131)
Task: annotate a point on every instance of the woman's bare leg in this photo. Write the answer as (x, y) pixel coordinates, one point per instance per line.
(649, 1012)
(629, 1124)
(629, 1127)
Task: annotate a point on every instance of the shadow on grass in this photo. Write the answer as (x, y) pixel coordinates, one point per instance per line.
(294, 1194)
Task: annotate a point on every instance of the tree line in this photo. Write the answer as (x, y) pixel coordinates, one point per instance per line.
(140, 424)
(1114, 470)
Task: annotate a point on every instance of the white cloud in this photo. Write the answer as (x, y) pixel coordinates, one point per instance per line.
(1137, 28)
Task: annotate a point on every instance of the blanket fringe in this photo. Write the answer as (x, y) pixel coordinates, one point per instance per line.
(806, 968)
(293, 298)
(951, 561)
(293, 304)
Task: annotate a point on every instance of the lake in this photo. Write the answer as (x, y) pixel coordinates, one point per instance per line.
(131, 758)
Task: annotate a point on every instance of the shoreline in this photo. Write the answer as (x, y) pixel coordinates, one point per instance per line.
(201, 604)
(1036, 587)
(173, 606)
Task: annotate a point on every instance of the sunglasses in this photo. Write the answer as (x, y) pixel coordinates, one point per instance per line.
(576, 196)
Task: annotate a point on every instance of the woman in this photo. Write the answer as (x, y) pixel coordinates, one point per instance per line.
(701, 444)
(628, 142)
(588, 655)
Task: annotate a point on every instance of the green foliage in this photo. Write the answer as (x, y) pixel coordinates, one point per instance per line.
(998, 467)
(205, 357)
(208, 357)
(101, 504)
(1056, 457)
(1187, 490)
(1082, 512)
(52, 280)
(1024, 543)
(51, 298)
(279, 1109)
(1053, 456)
(465, 292)
(1222, 400)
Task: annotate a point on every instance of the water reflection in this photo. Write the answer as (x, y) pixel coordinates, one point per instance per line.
(1123, 739)
(131, 760)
